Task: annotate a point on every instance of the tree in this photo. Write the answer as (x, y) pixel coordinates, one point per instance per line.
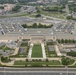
(24, 25)
(65, 61)
(38, 10)
(38, 15)
(66, 41)
(62, 41)
(69, 41)
(72, 53)
(59, 41)
(16, 8)
(5, 59)
(40, 25)
(34, 25)
(69, 17)
(73, 41)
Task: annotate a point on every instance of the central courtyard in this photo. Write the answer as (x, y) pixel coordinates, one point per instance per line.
(37, 51)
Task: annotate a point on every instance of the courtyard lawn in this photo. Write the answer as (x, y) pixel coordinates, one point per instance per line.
(37, 51)
(2, 47)
(5, 48)
(19, 56)
(24, 44)
(50, 53)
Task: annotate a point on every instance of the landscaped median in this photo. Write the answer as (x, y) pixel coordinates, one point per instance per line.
(6, 61)
(37, 51)
(37, 63)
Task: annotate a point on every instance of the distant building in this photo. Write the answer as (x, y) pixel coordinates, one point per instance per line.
(72, 1)
(55, 1)
(8, 7)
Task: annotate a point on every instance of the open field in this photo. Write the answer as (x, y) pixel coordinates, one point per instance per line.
(56, 15)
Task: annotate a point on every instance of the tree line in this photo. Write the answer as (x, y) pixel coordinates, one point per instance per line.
(35, 25)
(66, 41)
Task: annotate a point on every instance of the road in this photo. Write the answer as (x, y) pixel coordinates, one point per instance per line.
(36, 71)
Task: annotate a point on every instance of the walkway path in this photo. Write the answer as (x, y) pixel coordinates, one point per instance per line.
(30, 51)
(7, 64)
(58, 51)
(17, 48)
(43, 50)
(73, 63)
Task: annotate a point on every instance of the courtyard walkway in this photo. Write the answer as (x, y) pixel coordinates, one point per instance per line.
(43, 50)
(17, 48)
(58, 51)
(7, 64)
(30, 51)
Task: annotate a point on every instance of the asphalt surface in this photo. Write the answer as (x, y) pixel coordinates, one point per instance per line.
(36, 71)
(37, 74)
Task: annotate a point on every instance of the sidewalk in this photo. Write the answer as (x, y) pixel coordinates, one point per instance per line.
(30, 51)
(7, 64)
(57, 51)
(43, 50)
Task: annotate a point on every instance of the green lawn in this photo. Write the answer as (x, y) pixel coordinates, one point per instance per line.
(37, 51)
(2, 47)
(37, 63)
(50, 53)
(52, 14)
(5, 48)
(56, 15)
(24, 44)
(75, 65)
(19, 56)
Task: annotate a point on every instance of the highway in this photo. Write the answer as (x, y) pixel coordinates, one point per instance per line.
(36, 71)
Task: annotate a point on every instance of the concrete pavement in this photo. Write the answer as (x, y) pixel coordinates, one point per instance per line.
(57, 51)
(43, 50)
(30, 51)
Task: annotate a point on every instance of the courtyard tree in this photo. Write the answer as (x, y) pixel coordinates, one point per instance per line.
(62, 41)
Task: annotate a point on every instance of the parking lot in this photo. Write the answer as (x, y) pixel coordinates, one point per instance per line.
(13, 24)
(67, 27)
(11, 27)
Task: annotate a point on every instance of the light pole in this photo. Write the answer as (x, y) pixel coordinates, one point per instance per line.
(60, 73)
(4, 71)
(67, 70)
